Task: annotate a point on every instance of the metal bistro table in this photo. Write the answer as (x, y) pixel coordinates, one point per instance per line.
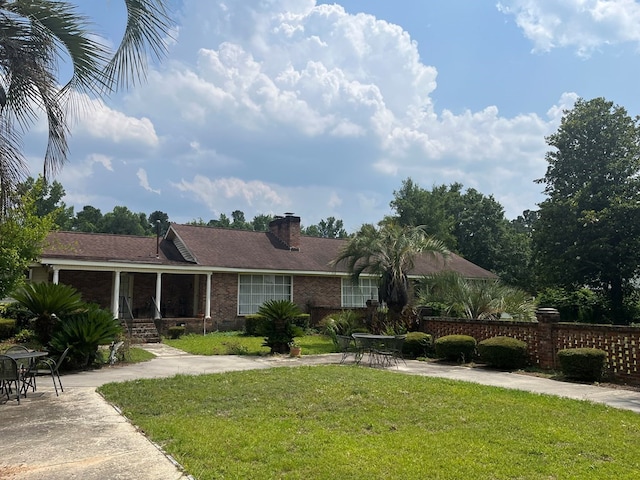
(25, 361)
(382, 350)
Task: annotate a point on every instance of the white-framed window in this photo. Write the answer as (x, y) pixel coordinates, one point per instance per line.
(254, 290)
(357, 295)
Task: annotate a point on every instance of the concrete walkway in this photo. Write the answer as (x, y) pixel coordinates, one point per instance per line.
(79, 436)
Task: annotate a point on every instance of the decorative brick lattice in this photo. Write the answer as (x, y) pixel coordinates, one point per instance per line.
(544, 340)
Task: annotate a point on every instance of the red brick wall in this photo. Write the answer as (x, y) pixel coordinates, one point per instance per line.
(95, 287)
(544, 340)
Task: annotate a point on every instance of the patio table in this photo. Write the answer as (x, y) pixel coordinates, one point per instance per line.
(373, 346)
(31, 358)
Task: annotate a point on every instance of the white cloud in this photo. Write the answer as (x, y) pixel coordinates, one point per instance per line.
(144, 181)
(585, 25)
(99, 121)
(218, 193)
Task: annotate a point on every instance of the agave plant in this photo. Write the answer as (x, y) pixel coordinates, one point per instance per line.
(278, 326)
(48, 302)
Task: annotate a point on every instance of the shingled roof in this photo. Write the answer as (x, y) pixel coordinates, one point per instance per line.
(226, 249)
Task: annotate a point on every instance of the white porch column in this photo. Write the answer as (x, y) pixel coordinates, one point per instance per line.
(157, 315)
(56, 275)
(207, 306)
(115, 294)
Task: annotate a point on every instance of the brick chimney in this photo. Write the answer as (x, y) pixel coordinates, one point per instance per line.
(287, 230)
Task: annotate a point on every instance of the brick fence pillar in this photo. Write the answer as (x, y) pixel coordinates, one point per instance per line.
(548, 318)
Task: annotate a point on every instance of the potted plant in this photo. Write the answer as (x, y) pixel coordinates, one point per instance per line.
(295, 350)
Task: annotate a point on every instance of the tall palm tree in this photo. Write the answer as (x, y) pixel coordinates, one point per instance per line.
(35, 37)
(389, 252)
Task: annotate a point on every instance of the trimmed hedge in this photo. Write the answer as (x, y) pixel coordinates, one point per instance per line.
(252, 325)
(417, 344)
(7, 328)
(456, 347)
(503, 352)
(585, 364)
(176, 332)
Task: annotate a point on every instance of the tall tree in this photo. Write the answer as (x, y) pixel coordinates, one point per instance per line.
(35, 37)
(416, 206)
(329, 228)
(48, 200)
(388, 252)
(161, 218)
(260, 223)
(469, 223)
(588, 231)
(22, 233)
(89, 220)
(123, 221)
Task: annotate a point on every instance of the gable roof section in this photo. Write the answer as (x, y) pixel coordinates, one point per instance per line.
(227, 249)
(100, 247)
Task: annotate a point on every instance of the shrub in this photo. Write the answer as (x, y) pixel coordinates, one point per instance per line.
(503, 352)
(7, 328)
(17, 312)
(84, 332)
(252, 325)
(416, 344)
(278, 326)
(302, 321)
(456, 347)
(176, 331)
(345, 322)
(25, 336)
(582, 363)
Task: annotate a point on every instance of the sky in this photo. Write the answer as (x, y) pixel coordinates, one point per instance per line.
(323, 109)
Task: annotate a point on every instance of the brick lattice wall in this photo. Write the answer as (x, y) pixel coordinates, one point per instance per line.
(544, 339)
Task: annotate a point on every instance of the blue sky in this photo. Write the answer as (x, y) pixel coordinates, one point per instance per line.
(322, 109)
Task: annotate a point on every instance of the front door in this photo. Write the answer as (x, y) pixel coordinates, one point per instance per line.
(126, 296)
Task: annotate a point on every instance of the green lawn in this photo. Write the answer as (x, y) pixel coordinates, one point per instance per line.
(235, 343)
(350, 422)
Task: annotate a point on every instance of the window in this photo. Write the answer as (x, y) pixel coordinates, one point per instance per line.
(357, 295)
(254, 290)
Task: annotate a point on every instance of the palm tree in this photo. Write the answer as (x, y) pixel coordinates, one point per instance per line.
(476, 298)
(388, 252)
(35, 35)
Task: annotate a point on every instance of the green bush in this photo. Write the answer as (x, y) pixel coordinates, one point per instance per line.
(417, 344)
(456, 347)
(84, 332)
(25, 336)
(503, 352)
(345, 323)
(278, 326)
(7, 328)
(17, 312)
(302, 321)
(176, 331)
(582, 363)
(252, 325)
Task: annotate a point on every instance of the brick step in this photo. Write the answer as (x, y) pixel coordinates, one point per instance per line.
(145, 331)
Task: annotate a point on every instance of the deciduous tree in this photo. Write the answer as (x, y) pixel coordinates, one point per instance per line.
(588, 232)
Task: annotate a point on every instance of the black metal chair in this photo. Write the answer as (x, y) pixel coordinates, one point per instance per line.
(390, 352)
(9, 378)
(24, 367)
(46, 367)
(347, 346)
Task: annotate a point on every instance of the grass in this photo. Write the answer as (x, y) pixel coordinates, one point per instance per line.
(330, 422)
(236, 343)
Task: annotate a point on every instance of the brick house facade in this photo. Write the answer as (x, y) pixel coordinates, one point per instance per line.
(208, 278)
